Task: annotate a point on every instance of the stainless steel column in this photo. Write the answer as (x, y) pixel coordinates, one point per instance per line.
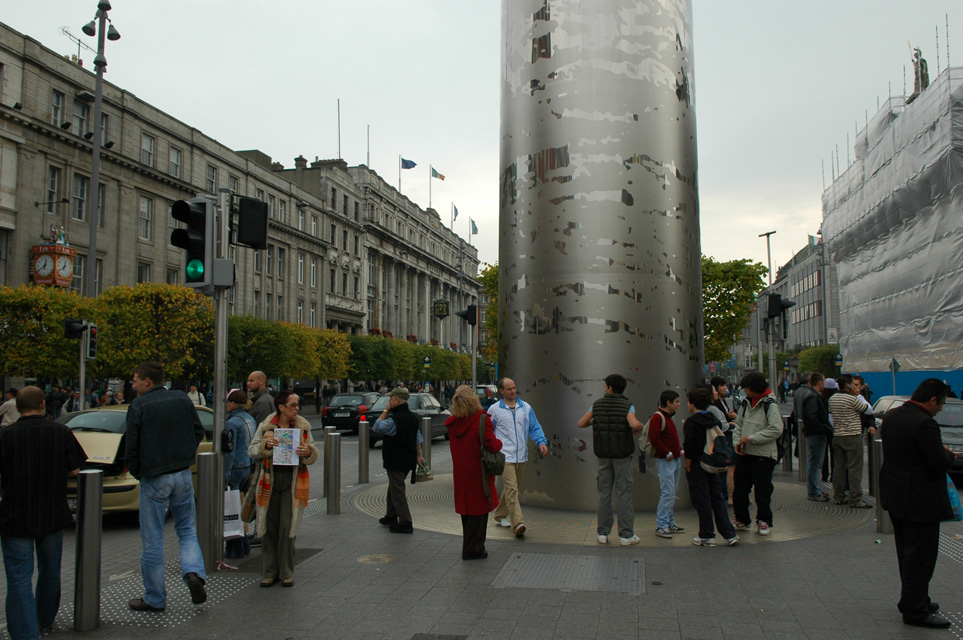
(332, 471)
(363, 442)
(883, 523)
(90, 509)
(803, 451)
(871, 464)
(599, 251)
(209, 493)
(787, 436)
(327, 457)
(426, 434)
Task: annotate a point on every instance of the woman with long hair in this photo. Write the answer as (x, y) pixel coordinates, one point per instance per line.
(282, 491)
(464, 430)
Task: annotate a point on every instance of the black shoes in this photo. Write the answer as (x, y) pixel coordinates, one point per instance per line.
(196, 584)
(138, 604)
(480, 556)
(931, 621)
(388, 520)
(401, 527)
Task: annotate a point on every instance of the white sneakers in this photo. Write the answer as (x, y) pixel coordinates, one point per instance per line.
(504, 522)
(625, 542)
(603, 539)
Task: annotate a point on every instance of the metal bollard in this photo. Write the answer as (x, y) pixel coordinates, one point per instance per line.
(426, 434)
(364, 436)
(90, 508)
(332, 472)
(209, 492)
(787, 434)
(327, 457)
(883, 523)
(870, 463)
(803, 450)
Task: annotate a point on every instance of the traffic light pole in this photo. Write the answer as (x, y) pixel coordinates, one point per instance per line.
(83, 366)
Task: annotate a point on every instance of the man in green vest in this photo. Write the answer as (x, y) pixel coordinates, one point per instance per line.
(613, 422)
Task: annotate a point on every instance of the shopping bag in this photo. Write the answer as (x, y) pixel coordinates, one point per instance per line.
(423, 473)
(232, 515)
(954, 500)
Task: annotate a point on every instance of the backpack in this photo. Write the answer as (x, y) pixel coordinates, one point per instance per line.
(644, 443)
(718, 455)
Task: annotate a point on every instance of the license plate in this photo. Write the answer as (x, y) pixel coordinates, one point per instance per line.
(342, 415)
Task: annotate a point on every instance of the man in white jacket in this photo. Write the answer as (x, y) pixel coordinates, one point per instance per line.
(515, 423)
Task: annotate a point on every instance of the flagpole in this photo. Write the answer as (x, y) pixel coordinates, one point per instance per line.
(430, 169)
(452, 225)
(399, 174)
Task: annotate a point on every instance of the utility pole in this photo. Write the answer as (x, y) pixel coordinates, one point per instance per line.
(769, 322)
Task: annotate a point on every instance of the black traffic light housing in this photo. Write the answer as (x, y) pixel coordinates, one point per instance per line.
(91, 341)
(252, 222)
(197, 239)
(470, 314)
(778, 304)
(74, 328)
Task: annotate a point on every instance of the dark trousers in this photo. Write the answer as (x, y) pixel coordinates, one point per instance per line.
(705, 491)
(917, 547)
(753, 472)
(473, 532)
(397, 500)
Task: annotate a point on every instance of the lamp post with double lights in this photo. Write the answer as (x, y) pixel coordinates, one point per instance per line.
(98, 26)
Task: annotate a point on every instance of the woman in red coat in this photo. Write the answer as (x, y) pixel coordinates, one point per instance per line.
(470, 499)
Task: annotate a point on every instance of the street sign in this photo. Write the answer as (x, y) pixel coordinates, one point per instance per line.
(839, 359)
(427, 362)
(894, 365)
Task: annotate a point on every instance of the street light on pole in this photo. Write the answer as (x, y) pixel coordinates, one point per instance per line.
(769, 321)
(97, 26)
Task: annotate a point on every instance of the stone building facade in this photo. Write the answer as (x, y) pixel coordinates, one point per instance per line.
(345, 250)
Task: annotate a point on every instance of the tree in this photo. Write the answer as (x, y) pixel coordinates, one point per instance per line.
(334, 353)
(256, 344)
(728, 291)
(488, 277)
(820, 359)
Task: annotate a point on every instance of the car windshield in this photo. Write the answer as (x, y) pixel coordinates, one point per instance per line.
(105, 421)
(346, 401)
(951, 415)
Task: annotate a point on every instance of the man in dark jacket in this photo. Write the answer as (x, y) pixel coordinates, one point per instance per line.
(400, 454)
(812, 412)
(912, 488)
(163, 431)
(613, 422)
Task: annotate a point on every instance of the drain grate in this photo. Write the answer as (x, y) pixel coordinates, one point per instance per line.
(573, 573)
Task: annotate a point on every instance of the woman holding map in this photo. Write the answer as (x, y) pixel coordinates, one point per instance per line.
(285, 448)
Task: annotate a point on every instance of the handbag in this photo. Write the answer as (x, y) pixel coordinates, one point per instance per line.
(493, 464)
(248, 510)
(233, 528)
(423, 472)
(954, 500)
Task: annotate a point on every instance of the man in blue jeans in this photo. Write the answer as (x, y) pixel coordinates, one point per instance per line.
(814, 416)
(36, 458)
(163, 431)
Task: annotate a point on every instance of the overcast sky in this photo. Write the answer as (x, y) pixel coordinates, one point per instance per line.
(777, 86)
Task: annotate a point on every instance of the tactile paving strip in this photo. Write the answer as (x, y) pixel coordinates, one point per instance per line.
(573, 573)
(432, 509)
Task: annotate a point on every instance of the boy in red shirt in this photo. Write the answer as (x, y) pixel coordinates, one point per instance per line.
(664, 438)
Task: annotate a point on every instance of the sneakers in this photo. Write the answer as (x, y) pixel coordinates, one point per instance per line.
(861, 505)
(739, 526)
(663, 532)
(674, 528)
(520, 531)
(705, 542)
(603, 538)
(625, 542)
(504, 522)
(820, 498)
(762, 528)
(733, 541)
(196, 584)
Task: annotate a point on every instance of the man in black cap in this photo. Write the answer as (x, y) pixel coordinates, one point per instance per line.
(400, 453)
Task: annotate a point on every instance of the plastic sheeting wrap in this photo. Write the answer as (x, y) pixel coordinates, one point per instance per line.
(893, 224)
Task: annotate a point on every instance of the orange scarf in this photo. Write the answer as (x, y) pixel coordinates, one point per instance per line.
(302, 485)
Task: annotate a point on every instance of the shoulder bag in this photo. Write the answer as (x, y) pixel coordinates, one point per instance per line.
(493, 464)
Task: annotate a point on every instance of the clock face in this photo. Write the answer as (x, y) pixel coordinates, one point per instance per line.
(65, 266)
(44, 266)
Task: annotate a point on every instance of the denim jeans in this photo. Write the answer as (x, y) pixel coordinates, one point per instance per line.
(616, 472)
(25, 611)
(669, 472)
(156, 493)
(815, 452)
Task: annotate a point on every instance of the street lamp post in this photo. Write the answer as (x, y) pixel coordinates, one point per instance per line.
(769, 333)
(100, 63)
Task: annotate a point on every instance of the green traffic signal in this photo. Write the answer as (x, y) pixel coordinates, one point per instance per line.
(195, 270)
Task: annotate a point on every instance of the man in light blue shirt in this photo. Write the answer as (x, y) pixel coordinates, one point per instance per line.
(515, 424)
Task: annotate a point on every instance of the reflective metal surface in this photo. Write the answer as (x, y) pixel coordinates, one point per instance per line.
(90, 506)
(599, 252)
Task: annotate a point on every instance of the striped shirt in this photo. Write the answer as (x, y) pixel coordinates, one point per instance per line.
(846, 409)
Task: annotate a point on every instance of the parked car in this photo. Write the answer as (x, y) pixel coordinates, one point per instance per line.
(421, 404)
(100, 431)
(950, 420)
(487, 395)
(345, 409)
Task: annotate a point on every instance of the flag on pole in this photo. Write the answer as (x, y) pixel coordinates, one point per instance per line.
(408, 164)
(454, 210)
(435, 174)
(474, 229)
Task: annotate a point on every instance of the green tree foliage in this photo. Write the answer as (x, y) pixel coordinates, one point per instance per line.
(32, 341)
(255, 344)
(334, 353)
(820, 359)
(728, 291)
(489, 281)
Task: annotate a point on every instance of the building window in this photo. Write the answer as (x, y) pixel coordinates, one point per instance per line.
(259, 194)
(172, 276)
(280, 308)
(357, 211)
(81, 118)
(314, 314)
(78, 206)
(300, 219)
(146, 215)
(344, 240)
(314, 272)
(271, 200)
(300, 268)
(283, 211)
(334, 234)
(344, 284)
(268, 299)
(172, 223)
(211, 178)
(143, 272)
(357, 246)
(147, 150)
(270, 259)
(356, 282)
(257, 302)
(57, 102)
(314, 226)
(104, 128)
(53, 189)
(344, 208)
(232, 184)
(280, 264)
(334, 197)
(257, 262)
(300, 311)
(333, 282)
(101, 197)
(80, 271)
(174, 166)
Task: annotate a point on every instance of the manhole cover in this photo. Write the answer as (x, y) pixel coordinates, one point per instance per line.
(377, 558)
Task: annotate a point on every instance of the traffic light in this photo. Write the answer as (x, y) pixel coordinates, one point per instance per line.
(197, 239)
(74, 328)
(470, 314)
(778, 304)
(91, 341)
